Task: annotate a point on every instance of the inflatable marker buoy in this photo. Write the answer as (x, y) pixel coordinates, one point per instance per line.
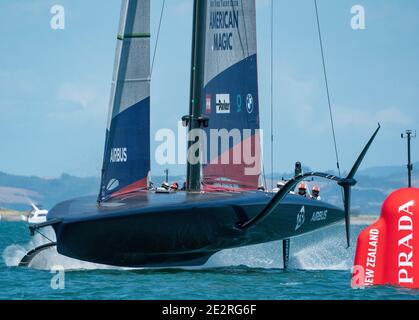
(388, 251)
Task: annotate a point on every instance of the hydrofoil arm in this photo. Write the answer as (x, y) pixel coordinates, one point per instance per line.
(27, 259)
(346, 183)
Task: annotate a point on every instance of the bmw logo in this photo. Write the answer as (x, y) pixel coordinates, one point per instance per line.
(249, 103)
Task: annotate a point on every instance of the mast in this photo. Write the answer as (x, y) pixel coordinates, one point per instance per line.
(195, 120)
(409, 136)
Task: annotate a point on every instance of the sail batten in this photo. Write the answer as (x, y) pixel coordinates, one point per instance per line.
(133, 35)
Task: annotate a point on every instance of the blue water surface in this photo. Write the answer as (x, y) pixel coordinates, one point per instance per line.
(320, 269)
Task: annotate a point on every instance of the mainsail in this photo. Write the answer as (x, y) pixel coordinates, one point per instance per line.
(126, 163)
(230, 97)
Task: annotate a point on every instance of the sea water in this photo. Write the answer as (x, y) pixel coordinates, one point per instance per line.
(319, 269)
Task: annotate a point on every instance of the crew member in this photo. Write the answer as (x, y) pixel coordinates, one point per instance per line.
(261, 188)
(174, 187)
(165, 186)
(184, 187)
(302, 190)
(315, 194)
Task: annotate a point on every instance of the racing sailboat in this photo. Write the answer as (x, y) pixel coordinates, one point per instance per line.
(130, 224)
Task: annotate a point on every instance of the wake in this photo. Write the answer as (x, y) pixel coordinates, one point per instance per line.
(48, 259)
(321, 250)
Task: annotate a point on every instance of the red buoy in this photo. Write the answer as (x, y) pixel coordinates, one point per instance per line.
(388, 251)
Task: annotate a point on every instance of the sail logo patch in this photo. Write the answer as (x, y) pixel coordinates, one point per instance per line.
(223, 103)
(226, 21)
(208, 108)
(405, 227)
(301, 218)
(249, 103)
(119, 155)
(239, 103)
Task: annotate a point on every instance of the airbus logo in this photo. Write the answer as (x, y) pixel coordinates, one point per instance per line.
(119, 155)
(319, 216)
(301, 218)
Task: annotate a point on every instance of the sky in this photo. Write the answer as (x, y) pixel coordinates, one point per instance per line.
(55, 84)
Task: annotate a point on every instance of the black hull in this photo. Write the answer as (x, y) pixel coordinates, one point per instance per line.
(151, 230)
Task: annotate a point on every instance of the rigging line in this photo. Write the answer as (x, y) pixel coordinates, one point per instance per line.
(262, 162)
(158, 35)
(245, 29)
(264, 177)
(327, 89)
(272, 95)
(37, 231)
(238, 30)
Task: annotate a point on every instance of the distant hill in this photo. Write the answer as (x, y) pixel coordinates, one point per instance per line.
(375, 184)
(10, 215)
(15, 191)
(387, 171)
